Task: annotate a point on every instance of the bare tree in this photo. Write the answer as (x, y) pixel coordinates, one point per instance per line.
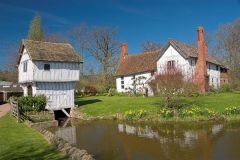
(227, 46)
(171, 83)
(78, 36)
(150, 46)
(102, 45)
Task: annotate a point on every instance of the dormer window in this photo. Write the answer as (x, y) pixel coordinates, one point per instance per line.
(25, 66)
(46, 67)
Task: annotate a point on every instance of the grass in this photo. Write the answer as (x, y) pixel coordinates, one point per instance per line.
(106, 106)
(18, 141)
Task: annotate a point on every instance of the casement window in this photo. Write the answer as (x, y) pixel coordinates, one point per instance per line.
(170, 65)
(122, 82)
(46, 67)
(25, 66)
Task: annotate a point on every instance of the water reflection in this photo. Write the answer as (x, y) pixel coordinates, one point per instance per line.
(113, 140)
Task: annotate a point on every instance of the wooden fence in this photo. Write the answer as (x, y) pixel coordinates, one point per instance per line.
(1, 97)
(16, 112)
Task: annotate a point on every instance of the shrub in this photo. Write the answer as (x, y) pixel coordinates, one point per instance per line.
(225, 88)
(112, 92)
(130, 115)
(166, 113)
(35, 103)
(195, 110)
(39, 103)
(232, 111)
(192, 111)
(90, 90)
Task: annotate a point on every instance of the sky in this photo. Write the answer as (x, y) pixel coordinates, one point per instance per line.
(137, 21)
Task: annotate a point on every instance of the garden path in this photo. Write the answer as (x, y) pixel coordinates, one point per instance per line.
(4, 109)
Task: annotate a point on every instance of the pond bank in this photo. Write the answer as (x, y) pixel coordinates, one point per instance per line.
(22, 142)
(76, 113)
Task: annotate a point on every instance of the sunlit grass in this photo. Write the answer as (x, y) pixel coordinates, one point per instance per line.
(18, 141)
(104, 105)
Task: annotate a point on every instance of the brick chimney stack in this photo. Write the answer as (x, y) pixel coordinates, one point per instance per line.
(123, 52)
(200, 73)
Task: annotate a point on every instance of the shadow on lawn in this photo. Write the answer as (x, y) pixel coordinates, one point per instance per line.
(85, 102)
(23, 152)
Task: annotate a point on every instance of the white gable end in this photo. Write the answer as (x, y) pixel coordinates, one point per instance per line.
(25, 68)
(171, 54)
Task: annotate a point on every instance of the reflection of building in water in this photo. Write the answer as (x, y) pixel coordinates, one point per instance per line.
(68, 134)
(217, 128)
(187, 139)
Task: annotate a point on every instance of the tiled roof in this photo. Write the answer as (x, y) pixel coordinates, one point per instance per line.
(139, 63)
(146, 62)
(48, 51)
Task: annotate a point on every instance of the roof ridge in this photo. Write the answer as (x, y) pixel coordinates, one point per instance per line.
(47, 42)
(144, 53)
(189, 45)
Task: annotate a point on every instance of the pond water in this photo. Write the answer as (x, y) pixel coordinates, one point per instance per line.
(108, 140)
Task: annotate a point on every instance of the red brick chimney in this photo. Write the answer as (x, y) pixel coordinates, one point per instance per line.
(200, 73)
(123, 52)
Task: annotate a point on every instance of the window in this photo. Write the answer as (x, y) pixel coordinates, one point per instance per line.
(171, 65)
(191, 62)
(46, 67)
(122, 82)
(217, 67)
(25, 66)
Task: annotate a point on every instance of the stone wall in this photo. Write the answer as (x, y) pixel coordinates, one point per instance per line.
(63, 146)
(67, 149)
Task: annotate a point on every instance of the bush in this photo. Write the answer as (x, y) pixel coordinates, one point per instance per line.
(130, 115)
(195, 111)
(112, 92)
(90, 90)
(166, 113)
(232, 111)
(32, 103)
(225, 88)
(39, 103)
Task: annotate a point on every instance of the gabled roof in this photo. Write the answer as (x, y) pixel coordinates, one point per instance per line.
(146, 62)
(139, 63)
(187, 51)
(48, 51)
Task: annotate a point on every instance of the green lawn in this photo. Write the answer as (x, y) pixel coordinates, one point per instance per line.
(18, 141)
(105, 106)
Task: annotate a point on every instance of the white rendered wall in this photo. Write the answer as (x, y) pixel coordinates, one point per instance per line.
(128, 81)
(25, 76)
(214, 75)
(59, 94)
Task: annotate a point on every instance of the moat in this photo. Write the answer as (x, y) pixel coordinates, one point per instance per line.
(152, 141)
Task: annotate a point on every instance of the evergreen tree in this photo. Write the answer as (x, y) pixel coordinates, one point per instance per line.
(35, 30)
